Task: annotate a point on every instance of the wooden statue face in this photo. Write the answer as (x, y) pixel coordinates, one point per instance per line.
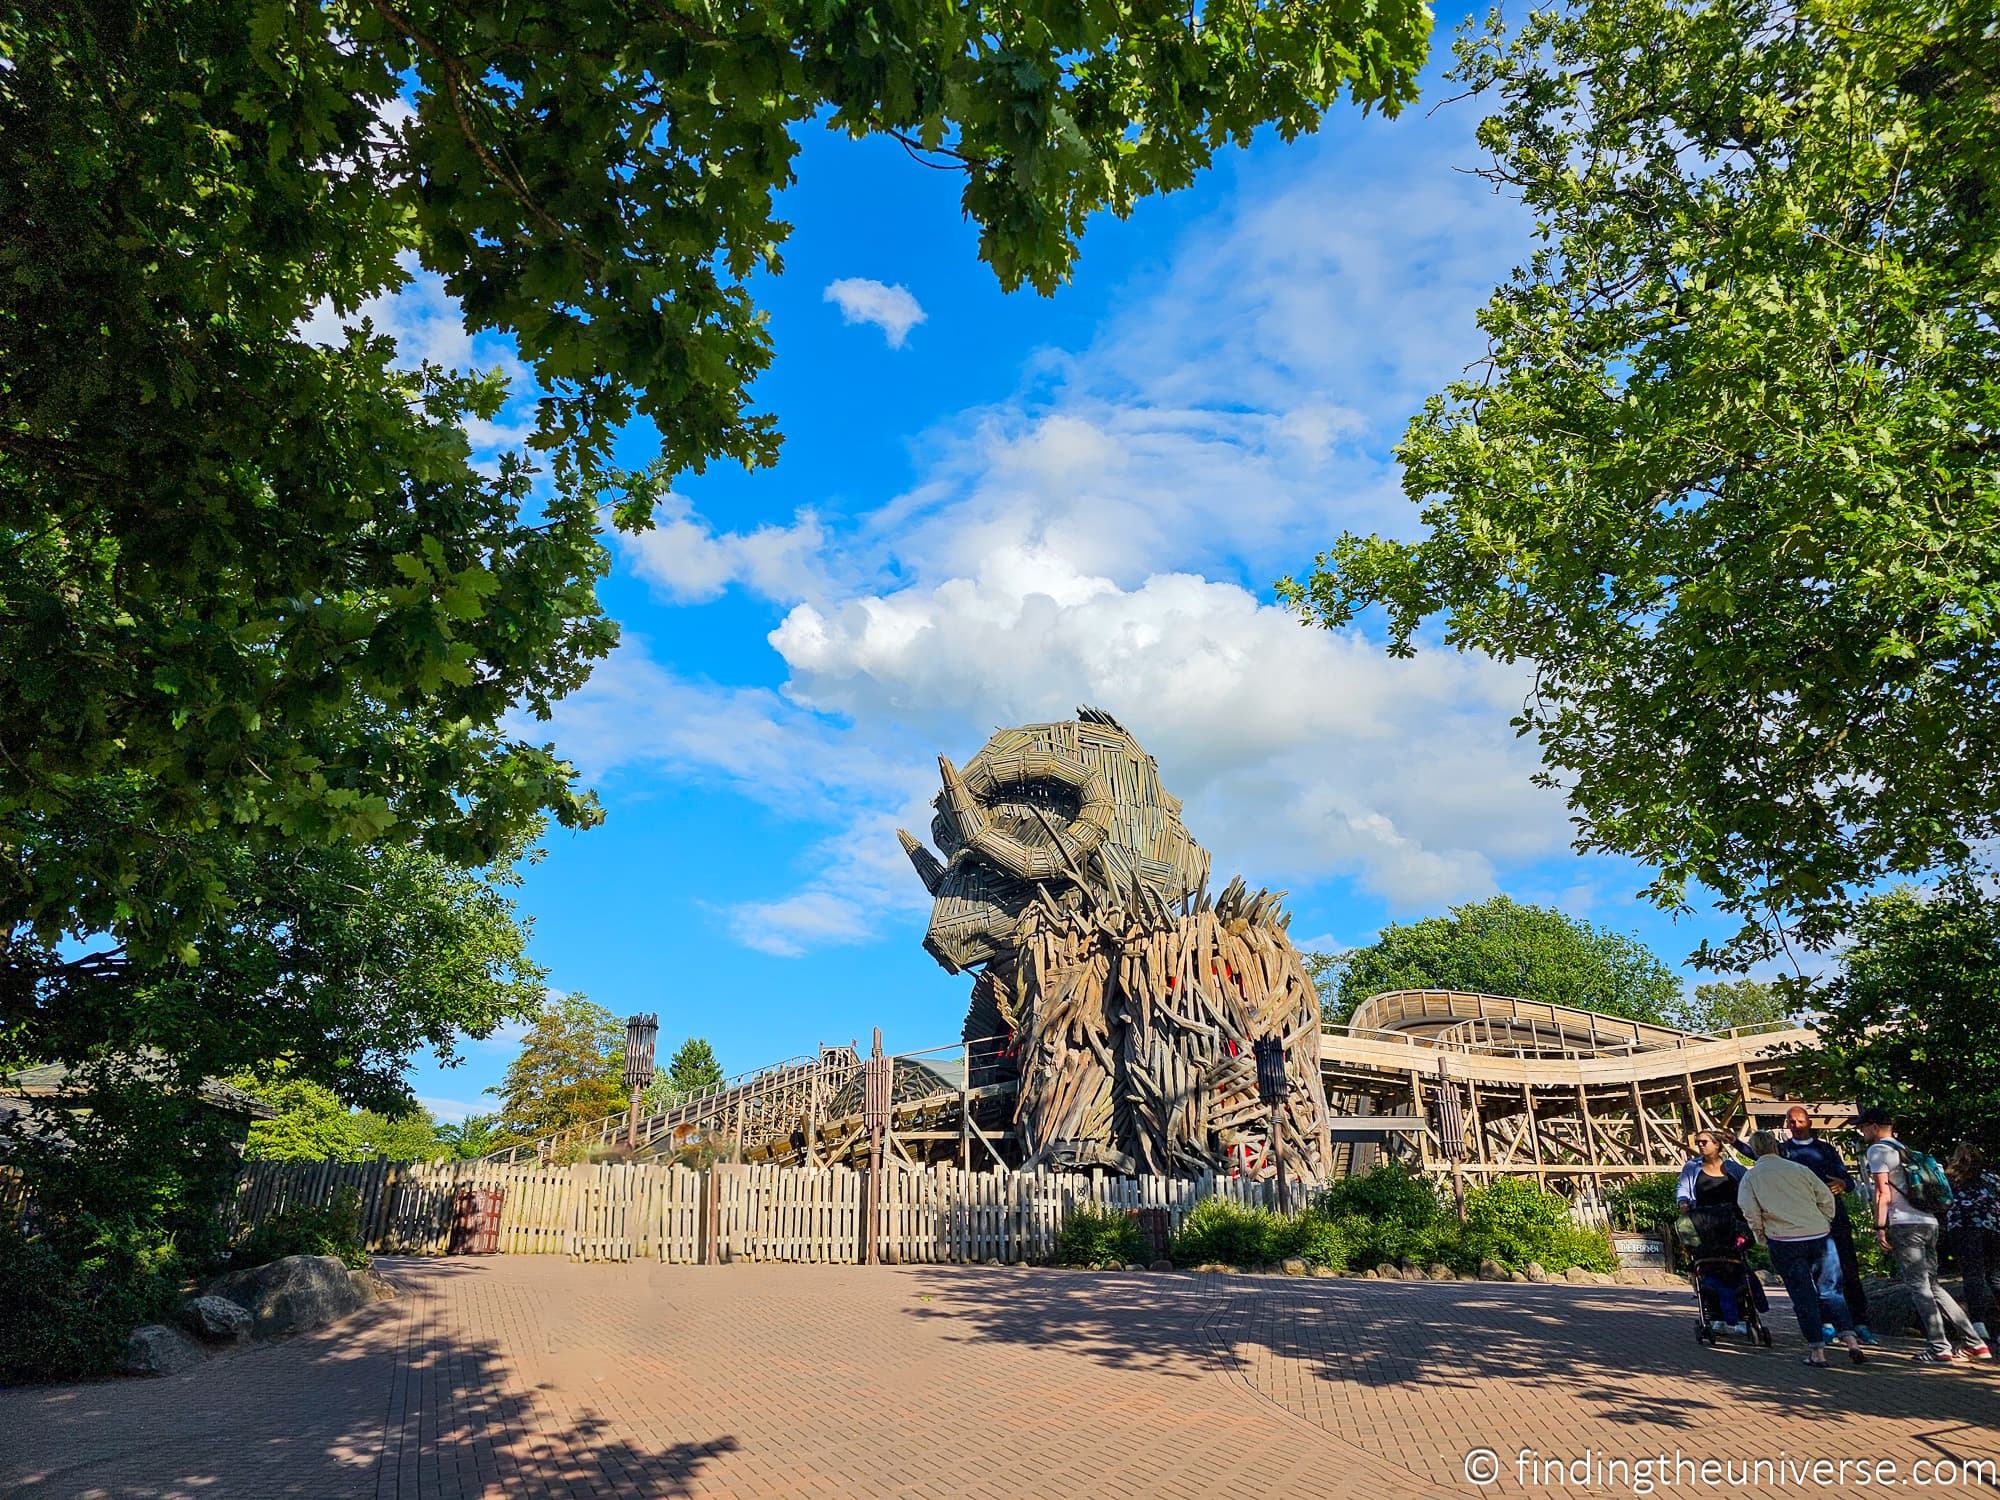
(1064, 807)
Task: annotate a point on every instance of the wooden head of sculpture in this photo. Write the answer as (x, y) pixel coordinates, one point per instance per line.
(1070, 807)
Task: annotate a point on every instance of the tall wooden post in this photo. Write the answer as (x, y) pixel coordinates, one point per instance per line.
(965, 1114)
(875, 1117)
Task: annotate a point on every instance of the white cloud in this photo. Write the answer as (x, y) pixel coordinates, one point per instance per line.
(451, 1111)
(689, 562)
(890, 308)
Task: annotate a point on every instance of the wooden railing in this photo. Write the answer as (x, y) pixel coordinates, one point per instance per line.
(758, 1212)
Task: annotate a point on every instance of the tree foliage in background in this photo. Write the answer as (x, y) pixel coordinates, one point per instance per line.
(570, 1071)
(692, 1070)
(1729, 477)
(1912, 1022)
(1722, 1004)
(1504, 947)
(471, 1138)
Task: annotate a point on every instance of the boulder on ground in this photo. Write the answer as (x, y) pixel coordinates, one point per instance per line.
(1323, 1271)
(1371, 1276)
(1439, 1271)
(1603, 1278)
(372, 1286)
(291, 1295)
(1491, 1270)
(1576, 1276)
(1891, 1309)
(1535, 1272)
(156, 1349)
(1293, 1265)
(1161, 1265)
(1388, 1272)
(216, 1320)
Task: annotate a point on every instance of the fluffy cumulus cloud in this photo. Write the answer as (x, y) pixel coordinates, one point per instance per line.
(1107, 537)
(890, 308)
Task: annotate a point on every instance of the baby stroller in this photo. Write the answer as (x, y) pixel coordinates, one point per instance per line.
(1720, 1274)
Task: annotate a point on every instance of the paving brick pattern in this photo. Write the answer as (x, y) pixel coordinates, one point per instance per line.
(534, 1376)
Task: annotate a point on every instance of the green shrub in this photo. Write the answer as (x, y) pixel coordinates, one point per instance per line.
(1226, 1233)
(1644, 1205)
(332, 1228)
(1512, 1221)
(1094, 1236)
(1392, 1192)
(63, 1316)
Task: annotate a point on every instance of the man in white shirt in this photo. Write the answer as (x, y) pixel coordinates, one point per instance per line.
(1909, 1236)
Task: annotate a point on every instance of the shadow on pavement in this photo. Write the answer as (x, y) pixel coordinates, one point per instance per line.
(387, 1403)
(1608, 1348)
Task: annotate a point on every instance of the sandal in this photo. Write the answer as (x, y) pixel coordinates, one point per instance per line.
(1815, 1360)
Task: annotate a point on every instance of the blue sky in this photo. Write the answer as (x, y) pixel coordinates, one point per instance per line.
(992, 508)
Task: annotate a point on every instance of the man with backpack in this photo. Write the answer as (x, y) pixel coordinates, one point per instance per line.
(1909, 1189)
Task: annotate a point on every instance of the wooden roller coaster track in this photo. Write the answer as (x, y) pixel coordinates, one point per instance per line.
(1478, 1085)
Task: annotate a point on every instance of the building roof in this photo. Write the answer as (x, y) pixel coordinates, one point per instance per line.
(51, 1081)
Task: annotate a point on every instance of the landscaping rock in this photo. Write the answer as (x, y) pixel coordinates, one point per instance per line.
(1371, 1276)
(1388, 1272)
(291, 1295)
(1293, 1266)
(1890, 1306)
(1161, 1265)
(1492, 1270)
(1439, 1271)
(216, 1320)
(372, 1286)
(1576, 1276)
(1323, 1271)
(1602, 1278)
(156, 1349)
(1535, 1271)
(1626, 1276)
(1517, 1276)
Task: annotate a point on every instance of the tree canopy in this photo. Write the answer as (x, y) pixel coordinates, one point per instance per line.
(314, 1125)
(692, 1069)
(1722, 1004)
(1726, 478)
(570, 1071)
(1912, 1021)
(1504, 947)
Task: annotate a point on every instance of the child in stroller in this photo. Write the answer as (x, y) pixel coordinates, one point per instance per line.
(1729, 1297)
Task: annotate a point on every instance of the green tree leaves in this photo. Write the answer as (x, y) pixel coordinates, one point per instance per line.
(570, 1071)
(1502, 947)
(1913, 1021)
(1727, 478)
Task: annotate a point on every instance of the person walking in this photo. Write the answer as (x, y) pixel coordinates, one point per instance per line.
(1972, 1231)
(1907, 1231)
(1791, 1212)
(1800, 1144)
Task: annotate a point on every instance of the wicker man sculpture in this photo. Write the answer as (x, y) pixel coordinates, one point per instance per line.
(1130, 998)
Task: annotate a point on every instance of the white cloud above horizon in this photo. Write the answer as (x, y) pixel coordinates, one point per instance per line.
(890, 308)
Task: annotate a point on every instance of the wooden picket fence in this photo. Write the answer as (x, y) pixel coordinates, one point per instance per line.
(626, 1211)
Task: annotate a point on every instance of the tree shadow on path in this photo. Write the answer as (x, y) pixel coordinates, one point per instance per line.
(392, 1402)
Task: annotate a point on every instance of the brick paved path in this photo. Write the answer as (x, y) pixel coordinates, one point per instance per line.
(535, 1376)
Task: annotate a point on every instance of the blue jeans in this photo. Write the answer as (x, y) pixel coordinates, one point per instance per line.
(1799, 1264)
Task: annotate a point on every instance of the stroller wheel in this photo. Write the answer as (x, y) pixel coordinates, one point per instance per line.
(1702, 1335)
(1763, 1335)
